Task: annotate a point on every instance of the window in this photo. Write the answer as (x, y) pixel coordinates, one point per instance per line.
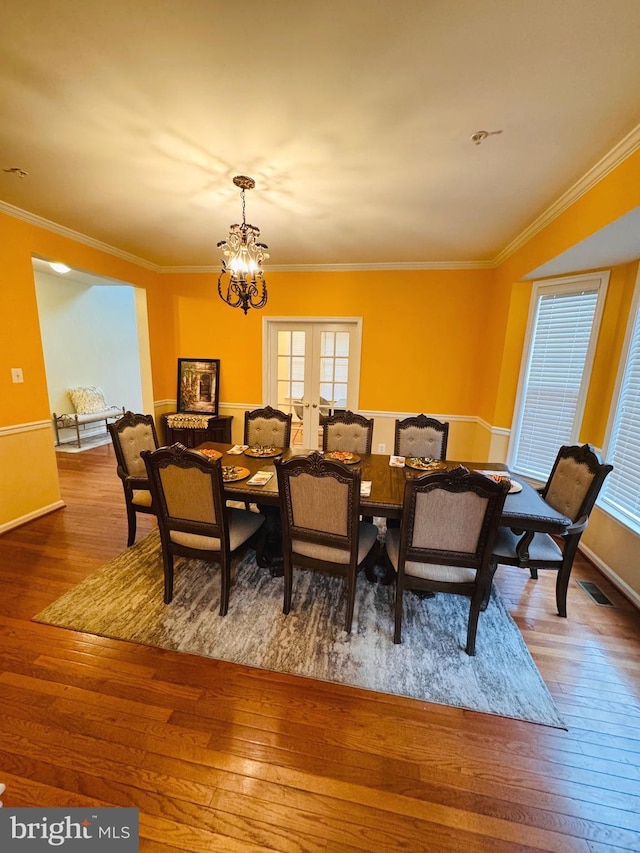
(564, 319)
(621, 492)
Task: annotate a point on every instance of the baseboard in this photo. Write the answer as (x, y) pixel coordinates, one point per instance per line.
(608, 572)
(24, 519)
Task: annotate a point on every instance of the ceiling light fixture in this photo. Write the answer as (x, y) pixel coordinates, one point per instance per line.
(480, 135)
(244, 286)
(16, 170)
(63, 269)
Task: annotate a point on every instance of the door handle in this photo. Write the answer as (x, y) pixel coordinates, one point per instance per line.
(306, 405)
(315, 405)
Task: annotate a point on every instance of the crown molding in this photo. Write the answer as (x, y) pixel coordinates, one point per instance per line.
(618, 154)
(380, 267)
(63, 231)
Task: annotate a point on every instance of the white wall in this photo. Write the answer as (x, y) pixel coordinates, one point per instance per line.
(90, 337)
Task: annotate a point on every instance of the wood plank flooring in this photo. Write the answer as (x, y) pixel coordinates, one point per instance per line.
(219, 757)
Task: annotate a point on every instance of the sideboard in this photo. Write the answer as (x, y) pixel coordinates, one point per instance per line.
(218, 428)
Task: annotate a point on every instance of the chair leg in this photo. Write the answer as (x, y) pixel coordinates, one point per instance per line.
(534, 573)
(351, 598)
(472, 628)
(562, 585)
(131, 522)
(167, 560)
(397, 635)
(225, 583)
(288, 583)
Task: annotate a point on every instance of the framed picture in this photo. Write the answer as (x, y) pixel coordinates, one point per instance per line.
(198, 383)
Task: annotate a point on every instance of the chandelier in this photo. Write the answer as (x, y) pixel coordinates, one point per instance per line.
(241, 283)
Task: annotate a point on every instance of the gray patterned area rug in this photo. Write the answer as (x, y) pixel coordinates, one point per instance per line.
(124, 600)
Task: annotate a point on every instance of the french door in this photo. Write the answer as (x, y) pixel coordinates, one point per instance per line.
(312, 369)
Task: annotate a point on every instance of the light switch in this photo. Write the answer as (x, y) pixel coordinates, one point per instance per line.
(16, 374)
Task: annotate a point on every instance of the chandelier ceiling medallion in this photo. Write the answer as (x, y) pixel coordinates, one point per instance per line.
(241, 283)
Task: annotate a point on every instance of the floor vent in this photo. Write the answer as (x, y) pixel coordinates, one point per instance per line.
(595, 593)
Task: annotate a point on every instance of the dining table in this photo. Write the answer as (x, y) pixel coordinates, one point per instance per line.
(524, 510)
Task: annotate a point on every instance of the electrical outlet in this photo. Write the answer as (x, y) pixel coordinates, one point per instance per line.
(16, 374)
(382, 448)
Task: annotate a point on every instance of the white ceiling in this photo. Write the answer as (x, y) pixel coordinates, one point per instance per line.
(353, 117)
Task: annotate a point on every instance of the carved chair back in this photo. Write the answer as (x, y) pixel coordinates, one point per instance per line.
(347, 431)
(421, 436)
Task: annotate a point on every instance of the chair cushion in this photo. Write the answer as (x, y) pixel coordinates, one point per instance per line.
(368, 533)
(266, 431)
(141, 498)
(433, 528)
(350, 437)
(319, 503)
(88, 400)
(188, 493)
(542, 548)
(420, 441)
(242, 525)
(132, 441)
(426, 571)
(569, 486)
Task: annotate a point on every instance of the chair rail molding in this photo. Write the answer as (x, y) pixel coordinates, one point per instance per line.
(28, 427)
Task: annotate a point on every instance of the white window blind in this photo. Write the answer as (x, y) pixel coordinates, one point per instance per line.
(621, 492)
(555, 376)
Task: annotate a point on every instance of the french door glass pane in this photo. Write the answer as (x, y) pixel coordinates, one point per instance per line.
(334, 368)
(290, 366)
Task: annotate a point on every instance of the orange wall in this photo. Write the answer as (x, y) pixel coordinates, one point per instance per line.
(423, 332)
(446, 342)
(615, 195)
(20, 336)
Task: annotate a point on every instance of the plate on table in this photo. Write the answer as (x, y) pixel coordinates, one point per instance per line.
(424, 463)
(211, 453)
(514, 486)
(263, 452)
(231, 473)
(343, 456)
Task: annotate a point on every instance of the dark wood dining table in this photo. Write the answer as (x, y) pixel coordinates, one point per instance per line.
(524, 510)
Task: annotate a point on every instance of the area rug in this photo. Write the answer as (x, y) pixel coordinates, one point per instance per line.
(124, 600)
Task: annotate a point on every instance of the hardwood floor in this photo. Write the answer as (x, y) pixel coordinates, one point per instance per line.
(219, 757)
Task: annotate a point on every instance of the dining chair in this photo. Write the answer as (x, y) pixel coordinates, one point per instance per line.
(320, 527)
(347, 431)
(267, 426)
(572, 488)
(131, 434)
(194, 521)
(445, 540)
(421, 436)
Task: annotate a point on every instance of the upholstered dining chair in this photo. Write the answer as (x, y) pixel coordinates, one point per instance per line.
(267, 426)
(347, 431)
(131, 434)
(445, 540)
(194, 521)
(572, 488)
(421, 436)
(321, 531)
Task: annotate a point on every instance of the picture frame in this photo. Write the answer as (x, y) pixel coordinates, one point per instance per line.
(198, 385)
